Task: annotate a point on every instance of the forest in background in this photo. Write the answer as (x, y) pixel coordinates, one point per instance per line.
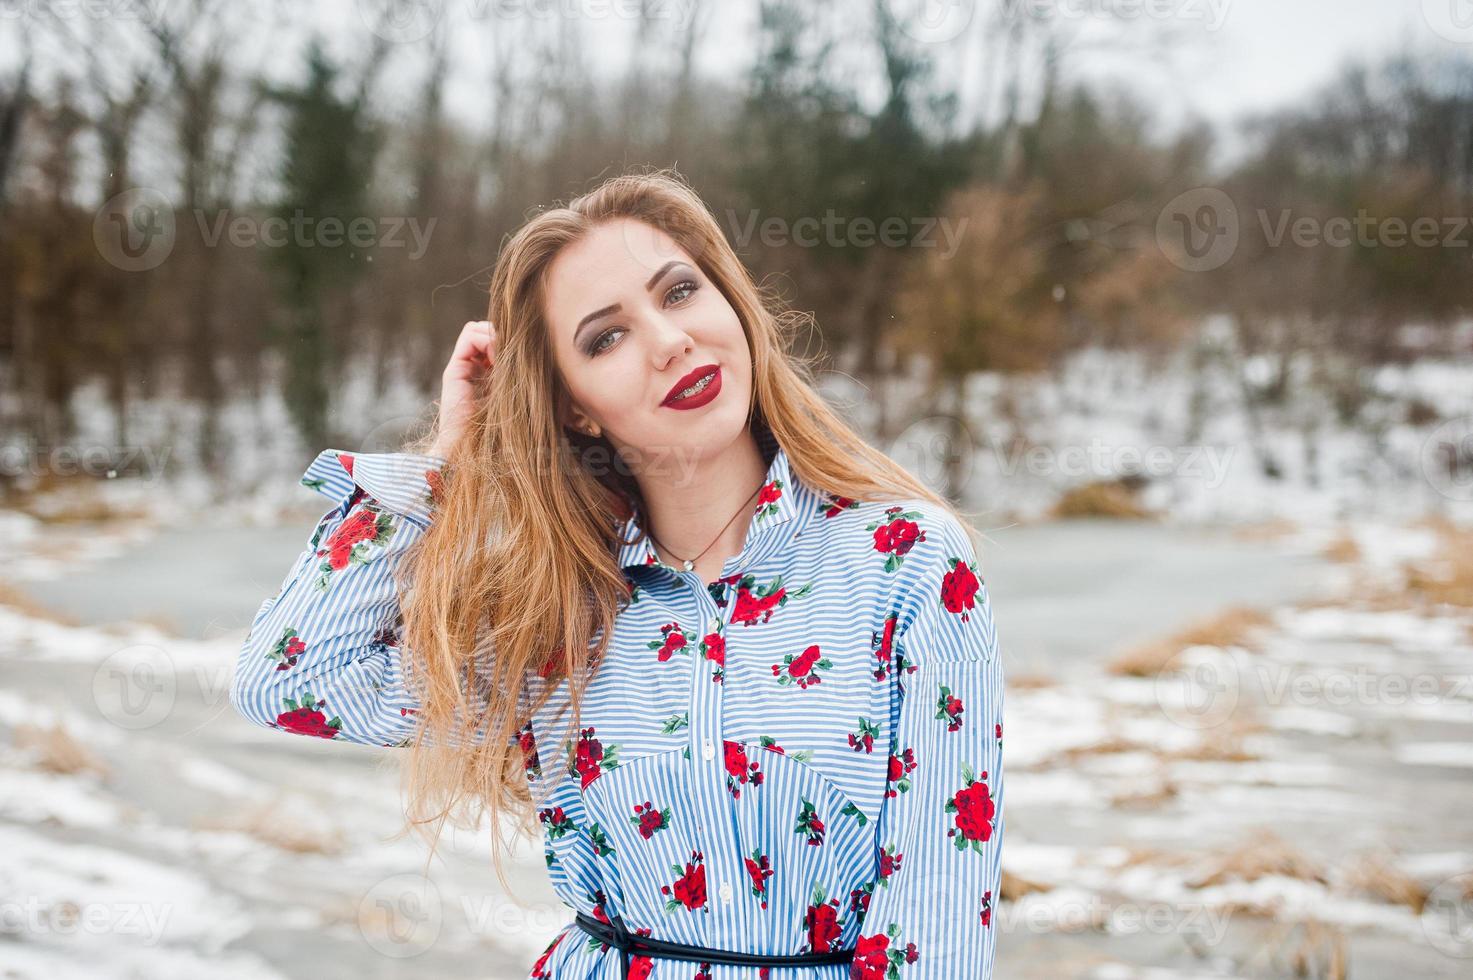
(994, 228)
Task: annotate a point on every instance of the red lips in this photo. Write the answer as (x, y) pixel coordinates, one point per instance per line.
(691, 378)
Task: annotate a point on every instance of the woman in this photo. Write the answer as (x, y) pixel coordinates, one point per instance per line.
(775, 644)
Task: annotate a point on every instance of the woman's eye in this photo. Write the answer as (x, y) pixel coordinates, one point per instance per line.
(678, 285)
(598, 346)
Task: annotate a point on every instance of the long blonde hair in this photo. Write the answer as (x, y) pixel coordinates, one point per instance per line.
(515, 587)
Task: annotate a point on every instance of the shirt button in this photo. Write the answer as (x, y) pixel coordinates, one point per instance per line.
(708, 750)
(725, 891)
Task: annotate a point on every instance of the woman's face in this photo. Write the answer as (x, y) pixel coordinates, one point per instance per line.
(632, 316)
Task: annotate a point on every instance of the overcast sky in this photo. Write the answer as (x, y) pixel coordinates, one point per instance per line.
(1229, 57)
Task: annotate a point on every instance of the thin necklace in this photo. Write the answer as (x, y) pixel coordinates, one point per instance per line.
(690, 563)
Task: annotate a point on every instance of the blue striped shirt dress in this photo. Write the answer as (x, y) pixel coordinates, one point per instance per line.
(802, 758)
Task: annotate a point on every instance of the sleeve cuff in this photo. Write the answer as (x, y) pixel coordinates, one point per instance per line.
(403, 483)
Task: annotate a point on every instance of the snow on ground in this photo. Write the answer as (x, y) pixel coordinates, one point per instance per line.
(1341, 736)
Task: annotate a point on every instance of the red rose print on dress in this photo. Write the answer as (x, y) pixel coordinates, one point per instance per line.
(880, 956)
(673, 640)
(822, 923)
(801, 669)
(304, 716)
(769, 743)
(997, 731)
(974, 809)
(759, 869)
(895, 534)
(689, 888)
(739, 769)
(959, 588)
(767, 498)
(349, 543)
(590, 758)
(649, 819)
(950, 707)
(539, 969)
(809, 824)
(531, 765)
(864, 739)
(834, 504)
(555, 822)
(986, 912)
(889, 864)
(719, 588)
(287, 649)
(882, 641)
(713, 648)
(599, 840)
(897, 777)
(753, 608)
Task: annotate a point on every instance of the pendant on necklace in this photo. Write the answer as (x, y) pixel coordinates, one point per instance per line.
(689, 565)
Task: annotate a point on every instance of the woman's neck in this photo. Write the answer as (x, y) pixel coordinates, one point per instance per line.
(688, 505)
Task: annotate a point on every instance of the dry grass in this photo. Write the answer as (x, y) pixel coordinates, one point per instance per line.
(1231, 627)
(1264, 854)
(1272, 530)
(1105, 746)
(269, 823)
(1372, 874)
(14, 598)
(1101, 498)
(57, 750)
(1343, 550)
(1013, 887)
(1448, 578)
(1310, 949)
(1136, 856)
(1146, 799)
(1030, 681)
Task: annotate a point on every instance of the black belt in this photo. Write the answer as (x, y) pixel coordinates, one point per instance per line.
(616, 934)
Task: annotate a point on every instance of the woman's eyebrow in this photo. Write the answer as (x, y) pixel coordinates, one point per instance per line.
(615, 308)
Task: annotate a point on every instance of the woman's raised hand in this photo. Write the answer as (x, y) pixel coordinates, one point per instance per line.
(473, 357)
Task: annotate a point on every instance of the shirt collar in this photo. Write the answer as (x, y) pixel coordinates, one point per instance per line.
(782, 497)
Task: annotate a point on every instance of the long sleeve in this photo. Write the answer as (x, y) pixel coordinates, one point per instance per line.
(930, 913)
(322, 657)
